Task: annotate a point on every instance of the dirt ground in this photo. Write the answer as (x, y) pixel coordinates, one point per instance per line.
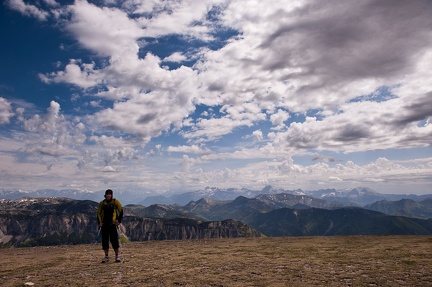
(284, 261)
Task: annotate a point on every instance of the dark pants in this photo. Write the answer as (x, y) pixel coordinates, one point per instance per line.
(109, 233)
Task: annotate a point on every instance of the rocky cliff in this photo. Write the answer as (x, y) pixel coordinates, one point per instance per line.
(46, 221)
(141, 229)
(53, 221)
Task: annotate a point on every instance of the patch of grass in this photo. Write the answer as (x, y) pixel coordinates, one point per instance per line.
(409, 262)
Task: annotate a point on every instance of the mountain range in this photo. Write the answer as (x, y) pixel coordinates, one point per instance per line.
(55, 220)
(299, 215)
(359, 196)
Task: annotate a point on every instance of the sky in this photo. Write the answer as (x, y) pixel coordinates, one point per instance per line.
(173, 96)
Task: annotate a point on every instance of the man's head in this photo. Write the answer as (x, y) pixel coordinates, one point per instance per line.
(108, 194)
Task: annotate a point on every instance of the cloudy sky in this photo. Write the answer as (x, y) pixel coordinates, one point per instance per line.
(178, 95)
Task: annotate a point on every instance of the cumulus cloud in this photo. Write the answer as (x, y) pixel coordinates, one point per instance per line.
(113, 31)
(308, 76)
(279, 118)
(108, 169)
(235, 116)
(315, 56)
(185, 18)
(194, 149)
(81, 75)
(51, 134)
(258, 135)
(149, 114)
(175, 57)
(5, 111)
(358, 127)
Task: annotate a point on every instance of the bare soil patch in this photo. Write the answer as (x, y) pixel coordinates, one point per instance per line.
(282, 261)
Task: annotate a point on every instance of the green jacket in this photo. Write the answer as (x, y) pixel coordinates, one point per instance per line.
(110, 211)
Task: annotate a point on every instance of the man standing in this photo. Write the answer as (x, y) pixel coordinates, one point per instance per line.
(110, 215)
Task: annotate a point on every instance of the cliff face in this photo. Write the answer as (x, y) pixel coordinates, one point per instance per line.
(31, 222)
(142, 229)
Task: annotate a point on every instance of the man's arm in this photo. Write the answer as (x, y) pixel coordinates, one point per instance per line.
(119, 211)
(99, 214)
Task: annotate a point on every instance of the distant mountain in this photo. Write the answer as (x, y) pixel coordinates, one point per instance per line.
(126, 197)
(305, 216)
(281, 200)
(362, 195)
(64, 193)
(359, 196)
(213, 193)
(241, 208)
(203, 208)
(156, 199)
(404, 207)
(344, 221)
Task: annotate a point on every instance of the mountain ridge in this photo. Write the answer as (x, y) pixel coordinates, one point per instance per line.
(404, 207)
(343, 221)
(353, 196)
(46, 221)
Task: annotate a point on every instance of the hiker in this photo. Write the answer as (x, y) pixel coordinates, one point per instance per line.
(110, 215)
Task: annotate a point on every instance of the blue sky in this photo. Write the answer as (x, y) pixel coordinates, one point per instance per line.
(173, 96)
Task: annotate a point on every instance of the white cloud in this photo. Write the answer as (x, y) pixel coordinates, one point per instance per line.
(302, 73)
(258, 135)
(176, 57)
(51, 134)
(5, 111)
(236, 116)
(155, 151)
(279, 118)
(28, 9)
(185, 18)
(108, 169)
(112, 32)
(149, 114)
(82, 75)
(194, 149)
(297, 63)
(360, 126)
(51, 3)
(335, 178)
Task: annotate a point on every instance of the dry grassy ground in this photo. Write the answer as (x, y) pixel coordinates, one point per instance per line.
(288, 261)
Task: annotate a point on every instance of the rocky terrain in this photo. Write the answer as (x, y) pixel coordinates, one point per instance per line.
(52, 221)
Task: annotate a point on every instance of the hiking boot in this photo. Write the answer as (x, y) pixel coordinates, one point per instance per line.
(105, 260)
(117, 259)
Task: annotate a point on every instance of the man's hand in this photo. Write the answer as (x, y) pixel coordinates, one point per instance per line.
(117, 223)
(100, 224)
